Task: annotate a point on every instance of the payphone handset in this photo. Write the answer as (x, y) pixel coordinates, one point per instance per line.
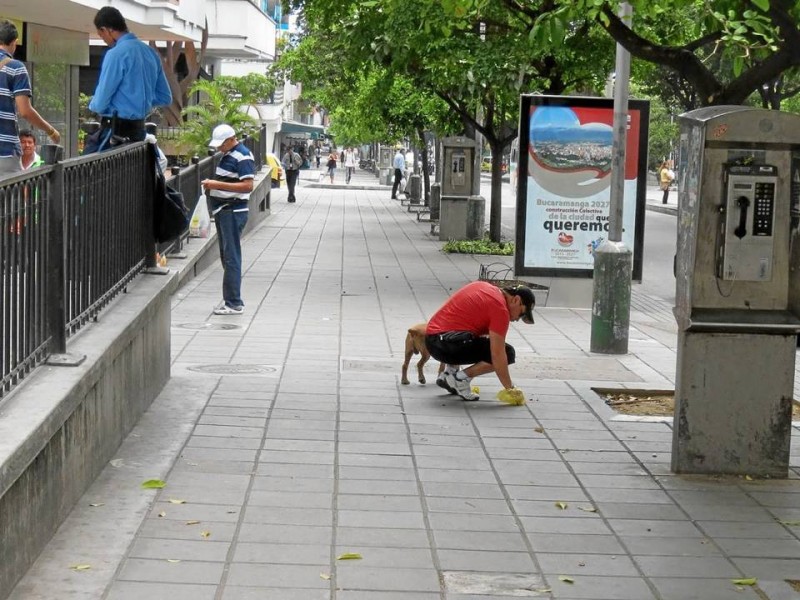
(458, 167)
(749, 218)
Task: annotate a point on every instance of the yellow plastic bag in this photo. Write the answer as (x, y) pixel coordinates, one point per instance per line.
(513, 396)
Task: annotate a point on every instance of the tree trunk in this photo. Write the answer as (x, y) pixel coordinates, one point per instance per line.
(426, 178)
(497, 191)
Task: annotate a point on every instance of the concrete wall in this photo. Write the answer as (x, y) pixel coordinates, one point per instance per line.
(63, 424)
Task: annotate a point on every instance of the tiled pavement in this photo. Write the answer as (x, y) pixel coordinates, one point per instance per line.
(287, 434)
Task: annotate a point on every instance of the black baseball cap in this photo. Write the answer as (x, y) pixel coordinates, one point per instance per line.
(528, 299)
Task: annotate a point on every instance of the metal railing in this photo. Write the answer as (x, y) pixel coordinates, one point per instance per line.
(72, 235)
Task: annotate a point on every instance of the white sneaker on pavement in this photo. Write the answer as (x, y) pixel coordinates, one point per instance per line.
(228, 310)
(462, 387)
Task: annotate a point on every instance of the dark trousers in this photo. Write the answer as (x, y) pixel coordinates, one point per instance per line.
(291, 182)
(106, 138)
(398, 175)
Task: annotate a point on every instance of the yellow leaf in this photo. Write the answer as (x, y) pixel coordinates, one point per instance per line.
(81, 567)
(587, 509)
(205, 534)
(162, 514)
(566, 579)
(349, 556)
(748, 581)
(173, 560)
(324, 576)
(153, 484)
(192, 522)
(748, 478)
(562, 505)
(539, 429)
(96, 504)
(176, 501)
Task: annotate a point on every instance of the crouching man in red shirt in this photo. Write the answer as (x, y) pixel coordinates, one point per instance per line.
(470, 329)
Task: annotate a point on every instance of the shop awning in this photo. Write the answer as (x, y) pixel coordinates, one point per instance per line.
(314, 132)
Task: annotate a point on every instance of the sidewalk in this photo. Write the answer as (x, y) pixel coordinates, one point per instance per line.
(285, 440)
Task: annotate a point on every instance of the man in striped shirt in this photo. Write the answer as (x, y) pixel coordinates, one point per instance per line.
(228, 193)
(15, 99)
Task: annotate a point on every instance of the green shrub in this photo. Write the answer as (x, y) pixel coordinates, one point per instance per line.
(484, 246)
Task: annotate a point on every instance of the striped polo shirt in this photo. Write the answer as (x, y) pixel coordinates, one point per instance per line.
(13, 82)
(236, 165)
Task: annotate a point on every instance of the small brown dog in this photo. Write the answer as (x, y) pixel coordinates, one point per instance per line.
(415, 344)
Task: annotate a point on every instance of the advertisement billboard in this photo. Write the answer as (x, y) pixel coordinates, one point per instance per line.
(564, 183)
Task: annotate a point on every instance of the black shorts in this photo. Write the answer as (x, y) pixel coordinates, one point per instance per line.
(463, 348)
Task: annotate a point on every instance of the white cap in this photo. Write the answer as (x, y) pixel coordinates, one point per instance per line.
(220, 134)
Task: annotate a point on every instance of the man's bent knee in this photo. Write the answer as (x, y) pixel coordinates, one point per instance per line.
(511, 354)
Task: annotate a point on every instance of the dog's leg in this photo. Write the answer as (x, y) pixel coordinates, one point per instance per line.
(421, 365)
(409, 352)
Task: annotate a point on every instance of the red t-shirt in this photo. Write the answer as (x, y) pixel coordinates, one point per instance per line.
(478, 307)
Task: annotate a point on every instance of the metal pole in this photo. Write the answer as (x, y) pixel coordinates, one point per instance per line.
(613, 261)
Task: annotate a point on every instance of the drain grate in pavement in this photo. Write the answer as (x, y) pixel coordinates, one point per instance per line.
(528, 366)
(208, 326)
(509, 584)
(233, 369)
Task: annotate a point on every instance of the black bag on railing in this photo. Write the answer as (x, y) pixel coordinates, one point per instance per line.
(170, 215)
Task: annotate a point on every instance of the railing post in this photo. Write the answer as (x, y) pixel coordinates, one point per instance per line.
(56, 281)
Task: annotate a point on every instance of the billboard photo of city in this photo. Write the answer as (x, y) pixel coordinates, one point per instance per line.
(564, 186)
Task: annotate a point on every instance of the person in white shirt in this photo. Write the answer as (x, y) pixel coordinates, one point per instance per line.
(399, 164)
(349, 163)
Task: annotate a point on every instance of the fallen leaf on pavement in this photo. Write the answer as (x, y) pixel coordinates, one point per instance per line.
(153, 484)
(81, 567)
(562, 505)
(349, 556)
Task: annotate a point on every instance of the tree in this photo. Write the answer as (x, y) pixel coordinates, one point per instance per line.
(217, 107)
(477, 64)
(182, 63)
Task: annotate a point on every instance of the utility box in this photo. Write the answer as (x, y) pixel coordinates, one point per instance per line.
(737, 290)
(455, 178)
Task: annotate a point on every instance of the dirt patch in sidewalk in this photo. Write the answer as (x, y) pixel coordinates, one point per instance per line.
(652, 403)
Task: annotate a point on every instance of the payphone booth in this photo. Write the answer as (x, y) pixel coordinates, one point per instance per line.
(737, 290)
(385, 169)
(457, 186)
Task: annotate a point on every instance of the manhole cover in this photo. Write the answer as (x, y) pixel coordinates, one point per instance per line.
(510, 584)
(233, 369)
(208, 326)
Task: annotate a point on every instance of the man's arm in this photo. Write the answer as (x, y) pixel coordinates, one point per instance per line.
(239, 187)
(27, 112)
(497, 346)
(107, 85)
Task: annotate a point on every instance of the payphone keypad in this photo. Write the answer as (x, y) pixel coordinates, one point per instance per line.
(764, 208)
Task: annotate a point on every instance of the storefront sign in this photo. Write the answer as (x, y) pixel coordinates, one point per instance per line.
(563, 195)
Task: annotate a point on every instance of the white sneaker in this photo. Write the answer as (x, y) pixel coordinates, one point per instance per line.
(462, 387)
(441, 381)
(228, 310)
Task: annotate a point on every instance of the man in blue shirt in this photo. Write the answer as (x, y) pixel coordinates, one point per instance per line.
(15, 100)
(399, 165)
(228, 193)
(131, 84)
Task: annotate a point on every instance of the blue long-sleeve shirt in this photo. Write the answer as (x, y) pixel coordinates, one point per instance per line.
(399, 161)
(131, 82)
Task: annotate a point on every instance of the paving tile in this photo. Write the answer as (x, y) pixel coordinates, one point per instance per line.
(355, 537)
(282, 534)
(706, 588)
(481, 506)
(288, 553)
(472, 522)
(686, 566)
(288, 516)
(297, 484)
(572, 543)
(235, 592)
(601, 588)
(533, 525)
(378, 519)
(479, 560)
(179, 530)
(480, 540)
(671, 546)
(225, 513)
(194, 572)
(738, 529)
(579, 565)
(190, 550)
(647, 512)
(136, 590)
(278, 575)
(412, 558)
(369, 502)
(375, 486)
(769, 568)
(655, 529)
(360, 577)
(378, 595)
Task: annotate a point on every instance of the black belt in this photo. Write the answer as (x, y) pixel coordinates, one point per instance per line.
(122, 123)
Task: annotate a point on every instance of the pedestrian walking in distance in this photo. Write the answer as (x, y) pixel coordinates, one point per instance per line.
(399, 164)
(291, 162)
